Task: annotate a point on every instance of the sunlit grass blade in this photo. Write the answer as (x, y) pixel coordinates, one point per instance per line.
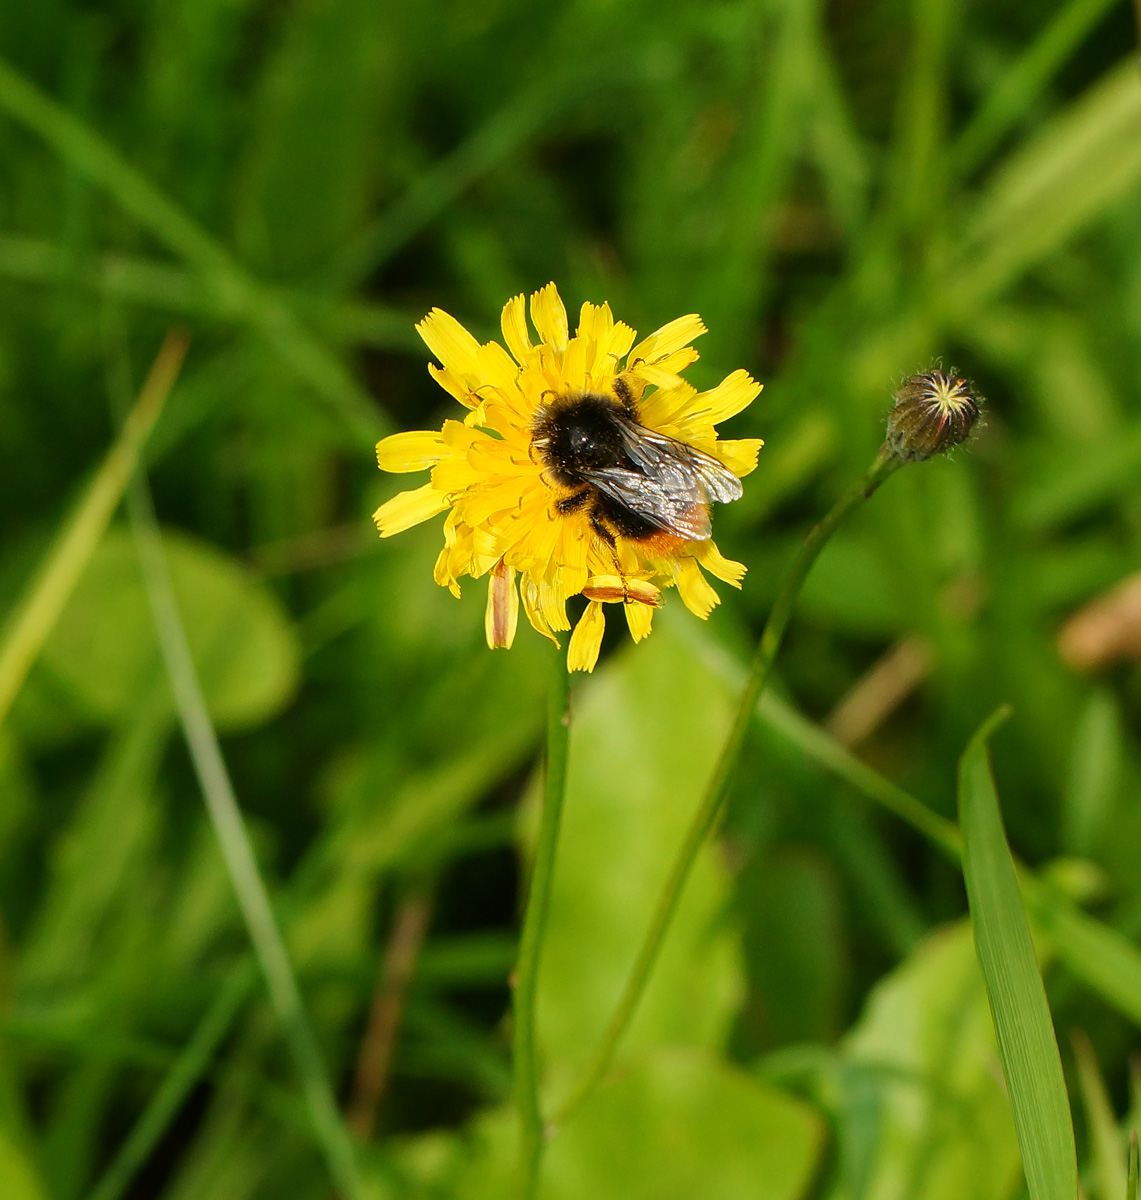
(222, 805)
(185, 1072)
(1109, 1167)
(86, 152)
(1022, 82)
(151, 282)
(46, 595)
(1087, 159)
(1131, 1184)
(1025, 1031)
(433, 190)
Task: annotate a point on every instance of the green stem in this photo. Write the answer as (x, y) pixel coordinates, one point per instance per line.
(532, 1134)
(713, 802)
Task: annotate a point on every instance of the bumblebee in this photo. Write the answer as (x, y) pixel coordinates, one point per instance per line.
(633, 482)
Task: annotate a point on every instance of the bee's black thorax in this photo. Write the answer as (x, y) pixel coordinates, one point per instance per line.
(579, 432)
(584, 441)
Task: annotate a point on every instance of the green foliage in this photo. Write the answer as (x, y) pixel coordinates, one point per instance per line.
(675, 1120)
(914, 1089)
(1022, 1022)
(244, 647)
(845, 193)
(638, 763)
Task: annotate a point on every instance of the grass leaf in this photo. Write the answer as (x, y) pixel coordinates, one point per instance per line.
(86, 152)
(1105, 1140)
(1027, 1046)
(46, 596)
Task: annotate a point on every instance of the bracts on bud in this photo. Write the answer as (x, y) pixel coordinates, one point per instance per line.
(932, 413)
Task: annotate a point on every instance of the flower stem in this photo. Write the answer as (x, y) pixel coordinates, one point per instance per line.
(532, 1135)
(713, 801)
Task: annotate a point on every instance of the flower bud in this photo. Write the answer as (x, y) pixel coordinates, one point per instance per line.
(932, 413)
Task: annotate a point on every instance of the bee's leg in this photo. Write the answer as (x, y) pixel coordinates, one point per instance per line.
(572, 503)
(604, 534)
(622, 391)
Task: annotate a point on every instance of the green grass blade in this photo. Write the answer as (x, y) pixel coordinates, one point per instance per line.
(153, 283)
(177, 1085)
(1026, 1042)
(46, 595)
(249, 887)
(1131, 1185)
(84, 151)
(1022, 82)
(1096, 954)
(434, 189)
(1109, 1167)
(1084, 161)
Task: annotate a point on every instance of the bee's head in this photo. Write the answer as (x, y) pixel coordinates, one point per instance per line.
(579, 432)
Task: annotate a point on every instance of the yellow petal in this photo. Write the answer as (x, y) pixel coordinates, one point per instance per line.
(530, 590)
(729, 397)
(513, 322)
(452, 475)
(550, 316)
(408, 509)
(410, 451)
(678, 333)
(738, 454)
(678, 361)
(444, 574)
(482, 502)
(717, 564)
(614, 347)
(696, 591)
(575, 364)
(666, 406)
(650, 373)
(454, 385)
(586, 641)
(553, 605)
(502, 616)
(450, 342)
(594, 321)
(497, 367)
(639, 617)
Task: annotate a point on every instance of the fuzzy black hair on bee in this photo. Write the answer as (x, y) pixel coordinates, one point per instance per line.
(634, 482)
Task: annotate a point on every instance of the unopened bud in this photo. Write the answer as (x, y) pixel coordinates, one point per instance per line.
(932, 413)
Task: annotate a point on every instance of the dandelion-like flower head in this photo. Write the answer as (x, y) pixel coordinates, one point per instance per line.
(512, 518)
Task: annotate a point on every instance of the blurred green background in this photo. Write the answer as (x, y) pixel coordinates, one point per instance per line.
(846, 192)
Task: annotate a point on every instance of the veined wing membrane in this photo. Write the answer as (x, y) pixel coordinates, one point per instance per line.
(687, 468)
(681, 511)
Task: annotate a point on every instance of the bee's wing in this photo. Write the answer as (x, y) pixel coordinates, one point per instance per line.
(679, 465)
(670, 500)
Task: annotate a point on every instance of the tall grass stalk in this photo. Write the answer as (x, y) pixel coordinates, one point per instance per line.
(241, 865)
(47, 594)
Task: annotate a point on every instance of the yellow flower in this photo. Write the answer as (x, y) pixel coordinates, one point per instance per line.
(534, 526)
